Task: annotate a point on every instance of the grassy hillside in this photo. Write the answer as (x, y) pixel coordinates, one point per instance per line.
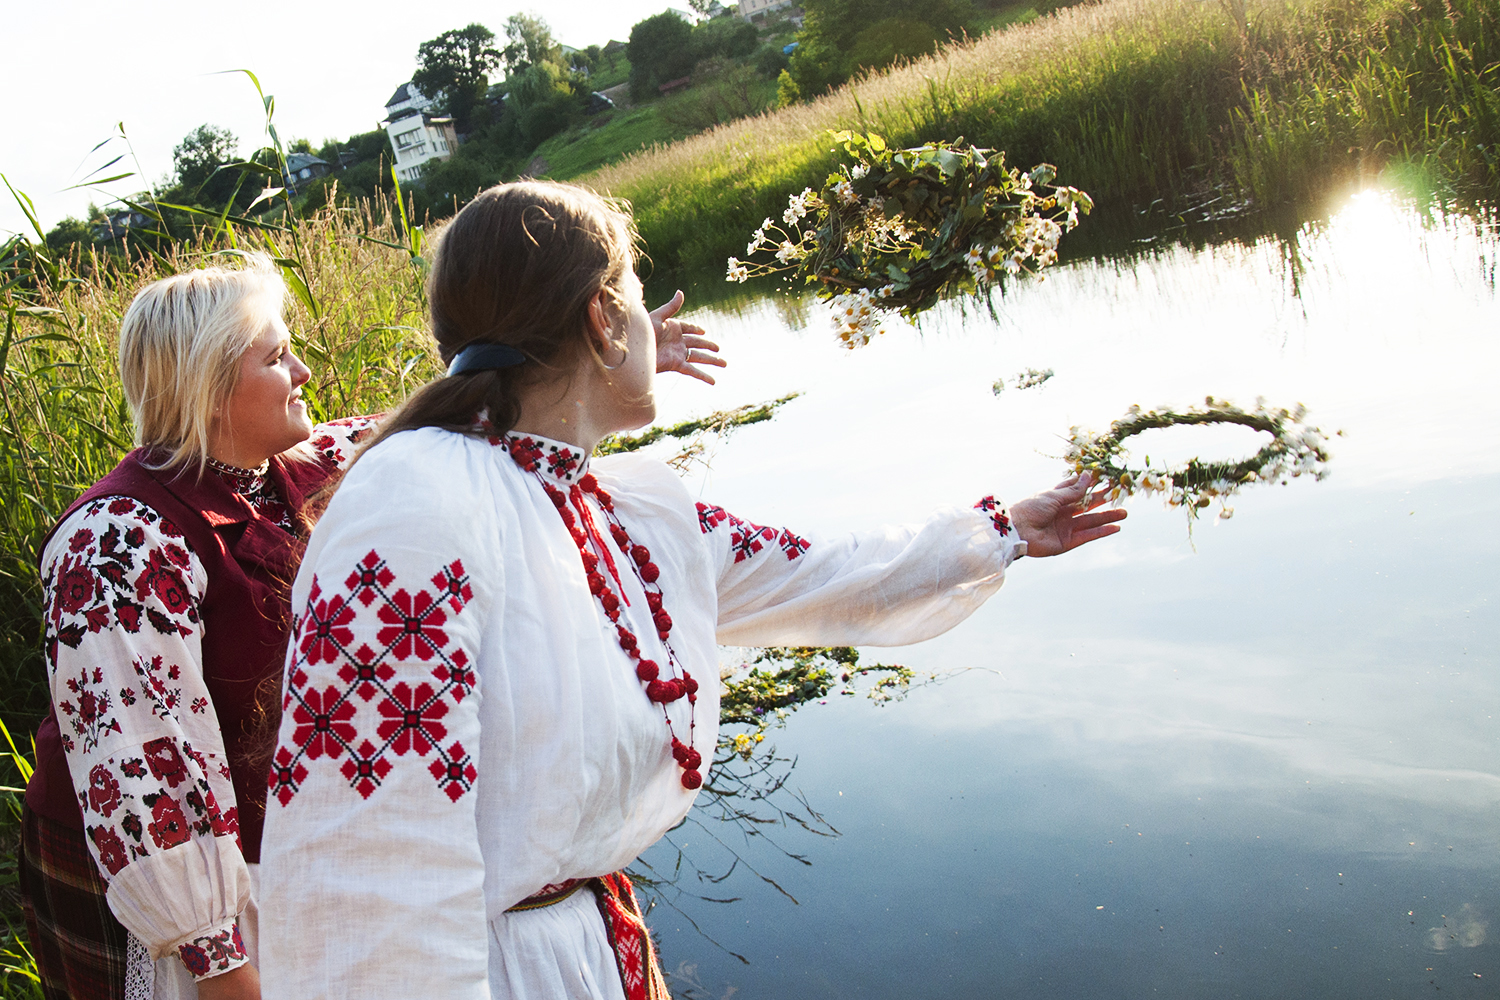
(1133, 100)
(611, 137)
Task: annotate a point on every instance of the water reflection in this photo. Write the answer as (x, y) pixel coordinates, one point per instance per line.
(1264, 767)
(1466, 929)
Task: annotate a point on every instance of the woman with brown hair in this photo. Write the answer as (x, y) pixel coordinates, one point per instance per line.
(502, 683)
(167, 615)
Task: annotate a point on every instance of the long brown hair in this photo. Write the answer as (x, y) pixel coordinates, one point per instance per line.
(518, 266)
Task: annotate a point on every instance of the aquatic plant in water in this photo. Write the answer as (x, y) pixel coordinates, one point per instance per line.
(898, 230)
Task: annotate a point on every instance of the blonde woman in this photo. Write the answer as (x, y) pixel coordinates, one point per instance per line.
(503, 683)
(166, 623)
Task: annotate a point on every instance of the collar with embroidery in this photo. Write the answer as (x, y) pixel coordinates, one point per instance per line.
(234, 471)
(556, 460)
(256, 488)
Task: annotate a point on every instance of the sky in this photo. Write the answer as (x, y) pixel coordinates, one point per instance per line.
(79, 69)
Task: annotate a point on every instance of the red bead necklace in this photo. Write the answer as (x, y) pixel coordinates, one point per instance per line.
(528, 455)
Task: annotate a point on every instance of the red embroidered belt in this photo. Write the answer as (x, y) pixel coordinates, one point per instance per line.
(635, 954)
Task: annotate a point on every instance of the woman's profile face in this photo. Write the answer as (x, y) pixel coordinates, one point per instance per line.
(265, 414)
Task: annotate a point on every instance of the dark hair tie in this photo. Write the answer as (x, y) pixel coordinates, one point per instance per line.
(484, 357)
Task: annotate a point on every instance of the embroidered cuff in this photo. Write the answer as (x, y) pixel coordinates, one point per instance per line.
(1014, 546)
(215, 953)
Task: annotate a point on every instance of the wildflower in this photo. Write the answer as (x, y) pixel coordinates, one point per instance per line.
(845, 192)
(859, 171)
(738, 272)
(787, 252)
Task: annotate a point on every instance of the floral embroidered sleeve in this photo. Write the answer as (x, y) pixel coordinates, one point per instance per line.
(886, 587)
(122, 642)
(338, 440)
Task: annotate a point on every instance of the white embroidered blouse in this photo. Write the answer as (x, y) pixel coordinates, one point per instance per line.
(142, 741)
(462, 726)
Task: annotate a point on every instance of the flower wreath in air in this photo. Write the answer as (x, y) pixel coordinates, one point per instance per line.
(1296, 449)
(896, 230)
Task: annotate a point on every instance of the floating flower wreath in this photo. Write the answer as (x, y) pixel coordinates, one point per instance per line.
(898, 229)
(1296, 449)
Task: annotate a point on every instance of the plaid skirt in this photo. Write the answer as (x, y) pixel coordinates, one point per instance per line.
(80, 947)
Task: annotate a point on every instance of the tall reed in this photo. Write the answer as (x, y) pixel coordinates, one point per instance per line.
(359, 321)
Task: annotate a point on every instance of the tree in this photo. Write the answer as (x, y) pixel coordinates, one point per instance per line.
(543, 98)
(659, 50)
(529, 42)
(200, 153)
(456, 65)
(840, 37)
(723, 37)
(68, 232)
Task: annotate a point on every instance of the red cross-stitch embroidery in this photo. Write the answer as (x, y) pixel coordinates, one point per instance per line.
(747, 538)
(999, 516)
(409, 630)
(710, 517)
(792, 545)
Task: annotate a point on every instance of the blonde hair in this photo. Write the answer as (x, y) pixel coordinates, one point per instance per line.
(181, 342)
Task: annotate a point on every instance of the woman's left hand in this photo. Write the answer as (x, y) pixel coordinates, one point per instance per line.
(1063, 518)
(681, 347)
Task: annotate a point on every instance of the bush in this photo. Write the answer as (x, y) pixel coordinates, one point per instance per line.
(841, 37)
(448, 185)
(787, 91)
(366, 179)
(541, 122)
(894, 38)
(68, 232)
(723, 37)
(770, 61)
(659, 50)
(722, 91)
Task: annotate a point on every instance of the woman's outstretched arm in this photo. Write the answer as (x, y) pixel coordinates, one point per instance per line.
(886, 586)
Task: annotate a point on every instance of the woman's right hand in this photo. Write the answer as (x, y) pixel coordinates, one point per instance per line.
(680, 346)
(1064, 517)
(236, 984)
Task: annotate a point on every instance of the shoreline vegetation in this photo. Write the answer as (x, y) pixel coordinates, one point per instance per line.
(1160, 109)
(1206, 107)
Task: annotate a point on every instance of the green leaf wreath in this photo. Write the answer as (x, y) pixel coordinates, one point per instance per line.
(897, 230)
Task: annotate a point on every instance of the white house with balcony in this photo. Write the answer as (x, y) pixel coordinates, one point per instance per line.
(407, 98)
(416, 137)
(756, 10)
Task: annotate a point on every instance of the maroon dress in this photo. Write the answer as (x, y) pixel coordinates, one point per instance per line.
(193, 562)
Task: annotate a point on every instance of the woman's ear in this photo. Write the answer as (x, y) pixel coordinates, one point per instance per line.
(599, 326)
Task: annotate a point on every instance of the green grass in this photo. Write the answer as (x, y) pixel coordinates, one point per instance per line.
(1135, 101)
(996, 20)
(626, 131)
(580, 150)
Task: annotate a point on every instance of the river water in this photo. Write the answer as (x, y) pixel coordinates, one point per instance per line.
(1257, 761)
